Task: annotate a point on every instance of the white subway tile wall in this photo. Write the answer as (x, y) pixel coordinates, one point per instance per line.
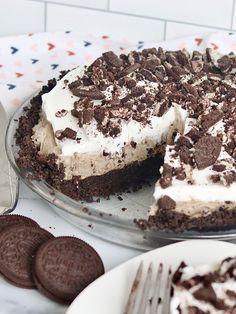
(21, 16)
(234, 16)
(150, 20)
(205, 12)
(100, 23)
(95, 4)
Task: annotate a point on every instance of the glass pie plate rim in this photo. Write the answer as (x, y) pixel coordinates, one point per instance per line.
(83, 214)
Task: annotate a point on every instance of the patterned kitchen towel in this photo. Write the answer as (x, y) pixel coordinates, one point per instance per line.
(28, 61)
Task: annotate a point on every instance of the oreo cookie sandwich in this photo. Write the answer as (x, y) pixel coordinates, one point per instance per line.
(10, 220)
(64, 266)
(18, 244)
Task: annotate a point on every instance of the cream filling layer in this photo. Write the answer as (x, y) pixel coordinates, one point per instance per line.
(196, 208)
(91, 164)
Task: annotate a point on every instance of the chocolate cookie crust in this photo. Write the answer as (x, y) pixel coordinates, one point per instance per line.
(166, 219)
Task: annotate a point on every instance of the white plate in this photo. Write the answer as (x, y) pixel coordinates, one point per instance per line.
(109, 293)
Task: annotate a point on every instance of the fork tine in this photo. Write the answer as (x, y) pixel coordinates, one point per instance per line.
(144, 297)
(166, 301)
(138, 302)
(156, 290)
(130, 306)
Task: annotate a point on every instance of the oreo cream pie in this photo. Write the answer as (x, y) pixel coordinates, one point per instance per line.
(105, 127)
(208, 289)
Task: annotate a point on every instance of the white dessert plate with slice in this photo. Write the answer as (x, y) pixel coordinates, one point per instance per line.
(109, 293)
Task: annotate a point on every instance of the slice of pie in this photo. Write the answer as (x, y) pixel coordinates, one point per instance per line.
(207, 289)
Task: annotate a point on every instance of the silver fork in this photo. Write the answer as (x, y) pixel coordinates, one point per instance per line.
(145, 297)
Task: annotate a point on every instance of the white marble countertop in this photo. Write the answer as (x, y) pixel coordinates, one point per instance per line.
(29, 301)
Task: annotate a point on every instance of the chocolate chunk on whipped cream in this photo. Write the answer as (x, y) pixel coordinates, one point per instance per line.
(207, 151)
(67, 133)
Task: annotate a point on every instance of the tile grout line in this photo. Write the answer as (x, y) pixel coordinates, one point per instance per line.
(45, 16)
(232, 17)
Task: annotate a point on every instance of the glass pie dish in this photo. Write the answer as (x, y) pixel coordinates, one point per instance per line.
(111, 219)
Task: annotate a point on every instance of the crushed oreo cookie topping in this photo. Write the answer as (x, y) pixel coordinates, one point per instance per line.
(207, 151)
(165, 202)
(61, 113)
(67, 133)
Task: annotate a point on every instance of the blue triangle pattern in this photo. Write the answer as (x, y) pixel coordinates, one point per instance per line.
(13, 50)
(87, 43)
(54, 66)
(140, 44)
(11, 86)
(34, 61)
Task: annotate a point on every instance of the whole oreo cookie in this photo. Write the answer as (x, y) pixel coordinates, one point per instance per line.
(18, 245)
(10, 220)
(64, 266)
